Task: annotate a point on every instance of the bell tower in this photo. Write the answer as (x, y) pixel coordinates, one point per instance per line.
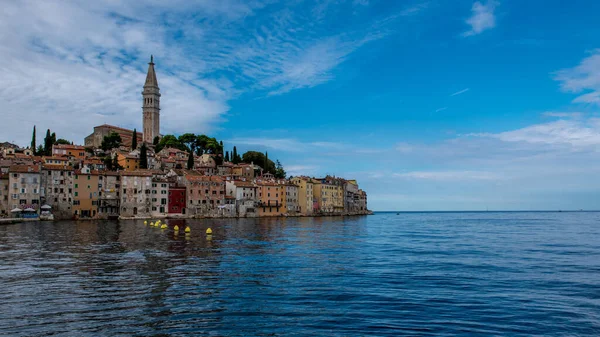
(151, 107)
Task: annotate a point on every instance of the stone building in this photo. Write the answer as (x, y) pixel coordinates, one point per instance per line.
(351, 196)
(136, 197)
(151, 107)
(204, 194)
(57, 189)
(246, 196)
(109, 199)
(24, 187)
(95, 139)
(305, 194)
(160, 196)
(290, 199)
(4, 194)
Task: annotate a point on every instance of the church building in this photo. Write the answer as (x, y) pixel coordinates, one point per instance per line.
(150, 117)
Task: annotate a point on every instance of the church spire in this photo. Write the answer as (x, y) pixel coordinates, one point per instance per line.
(151, 77)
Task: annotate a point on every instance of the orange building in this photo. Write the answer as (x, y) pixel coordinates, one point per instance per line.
(128, 162)
(85, 193)
(270, 196)
(76, 151)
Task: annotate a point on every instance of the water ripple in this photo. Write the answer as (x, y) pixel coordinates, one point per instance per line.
(417, 274)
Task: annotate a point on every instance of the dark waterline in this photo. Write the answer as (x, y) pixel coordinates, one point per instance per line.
(383, 275)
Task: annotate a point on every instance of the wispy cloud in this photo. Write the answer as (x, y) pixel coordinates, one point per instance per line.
(584, 78)
(414, 9)
(441, 109)
(460, 92)
(86, 61)
(562, 114)
(482, 18)
(448, 175)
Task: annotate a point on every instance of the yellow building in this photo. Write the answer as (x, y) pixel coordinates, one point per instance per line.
(270, 198)
(128, 162)
(305, 194)
(86, 193)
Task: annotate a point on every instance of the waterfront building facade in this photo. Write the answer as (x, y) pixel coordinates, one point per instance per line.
(86, 188)
(24, 185)
(57, 189)
(136, 200)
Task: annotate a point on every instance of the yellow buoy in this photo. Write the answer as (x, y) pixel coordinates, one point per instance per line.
(145, 222)
(209, 231)
(187, 229)
(163, 226)
(151, 223)
(176, 228)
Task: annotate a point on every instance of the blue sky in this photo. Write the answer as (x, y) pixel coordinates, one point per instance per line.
(431, 105)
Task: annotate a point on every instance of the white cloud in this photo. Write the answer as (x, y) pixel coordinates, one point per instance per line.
(562, 114)
(583, 78)
(448, 175)
(483, 17)
(441, 109)
(415, 9)
(70, 65)
(574, 133)
(460, 92)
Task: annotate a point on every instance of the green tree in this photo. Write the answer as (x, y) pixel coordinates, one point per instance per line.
(52, 140)
(259, 158)
(235, 156)
(156, 140)
(108, 163)
(33, 146)
(143, 156)
(190, 162)
(170, 141)
(47, 143)
(279, 171)
(116, 166)
(134, 140)
(111, 141)
(266, 162)
(226, 155)
(189, 140)
(40, 150)
(63, 141)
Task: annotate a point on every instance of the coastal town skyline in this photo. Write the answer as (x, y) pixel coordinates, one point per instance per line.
(371, 99)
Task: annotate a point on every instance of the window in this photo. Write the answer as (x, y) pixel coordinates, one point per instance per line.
(89, 177)
(94, 203)
(163, 201)
(15, 196)
(22, 201)
(23, 190)
(214, 192)
(76, 194)
(76, 185)
(75, 202)
(49, 172)
(88, 187)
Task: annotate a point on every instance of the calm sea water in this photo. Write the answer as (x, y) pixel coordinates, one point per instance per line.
(506, 274)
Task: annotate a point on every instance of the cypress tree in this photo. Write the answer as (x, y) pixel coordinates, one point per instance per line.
(33, 141)
(143, 157)
(266, 162)
(234, 156)
(190, 162)
(134, 140)
(47, 143)
(226, 155)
